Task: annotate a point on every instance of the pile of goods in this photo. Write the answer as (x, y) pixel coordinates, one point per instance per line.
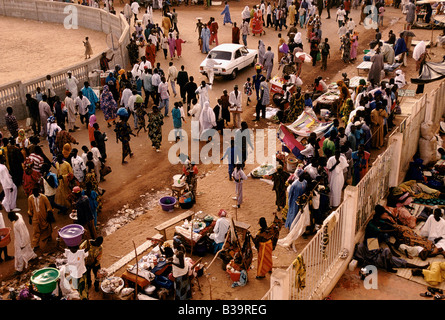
(112, 285)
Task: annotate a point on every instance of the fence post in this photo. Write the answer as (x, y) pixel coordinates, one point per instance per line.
(350, 196)
(396, 142)
(279, 282)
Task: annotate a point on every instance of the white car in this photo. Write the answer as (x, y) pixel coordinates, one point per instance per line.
(229, 59)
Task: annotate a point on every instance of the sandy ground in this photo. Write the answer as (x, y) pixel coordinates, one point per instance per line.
(31, 49)
(148, 171)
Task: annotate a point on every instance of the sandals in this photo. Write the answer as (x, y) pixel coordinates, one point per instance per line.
(435, 290)
(426, 294)
(438, 296)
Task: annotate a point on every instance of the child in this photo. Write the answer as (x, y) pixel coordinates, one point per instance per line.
(307, 100)
(93, 259)
(248, 90)
(77, 269)
(88, 49)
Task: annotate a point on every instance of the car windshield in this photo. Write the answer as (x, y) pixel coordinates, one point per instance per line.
(221, 55)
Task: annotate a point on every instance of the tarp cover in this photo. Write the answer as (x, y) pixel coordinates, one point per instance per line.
(431, 71)
(307, 122)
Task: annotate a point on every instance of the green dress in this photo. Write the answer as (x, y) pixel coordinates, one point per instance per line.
(155, 122)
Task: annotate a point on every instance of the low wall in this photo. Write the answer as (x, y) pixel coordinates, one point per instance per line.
(13, 93)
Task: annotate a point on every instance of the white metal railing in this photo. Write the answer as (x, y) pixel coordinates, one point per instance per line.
(13, 94)
(373, 187)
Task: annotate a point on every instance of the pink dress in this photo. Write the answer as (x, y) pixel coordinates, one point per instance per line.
(354, 47)
(171, 46)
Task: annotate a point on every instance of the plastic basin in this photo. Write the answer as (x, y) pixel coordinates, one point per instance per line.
(45, 279)
(72, 234)
(167, 203)
(5, 237)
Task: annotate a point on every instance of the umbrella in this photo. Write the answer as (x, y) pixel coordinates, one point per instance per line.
(303, 56)
(418, 50)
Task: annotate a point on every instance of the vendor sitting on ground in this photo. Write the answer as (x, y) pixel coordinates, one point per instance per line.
(398, 208)
(434, 229)
(220, 231)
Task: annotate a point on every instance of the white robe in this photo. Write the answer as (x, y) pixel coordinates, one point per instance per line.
(434, 229)
(71, 108)
(10, 189)
(336, 179)
(22, 245)
(71, 86)
(203, 94)
(207, 119)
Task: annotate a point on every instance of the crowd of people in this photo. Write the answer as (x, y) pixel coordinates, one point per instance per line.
(144, 92)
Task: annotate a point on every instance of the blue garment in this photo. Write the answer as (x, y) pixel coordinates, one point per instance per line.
(257, 79)
(93, 203)
(297, 189)
(205, 36)
(176, 114)
(400, 46)
(226, 14)
(91, 96)
(359, 137)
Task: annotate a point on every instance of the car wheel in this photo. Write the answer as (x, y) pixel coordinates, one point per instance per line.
(233, 74)
(254, 61)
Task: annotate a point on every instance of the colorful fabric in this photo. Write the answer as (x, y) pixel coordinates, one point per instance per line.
(108, 105)
(265, 262)
(155, 122)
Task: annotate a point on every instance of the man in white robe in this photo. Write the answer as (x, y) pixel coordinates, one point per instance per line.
(22, 242)
(71, 112)
(195, 113)
(220, 230)
(207, 119)
(336, 164)
(434, 229)
(235, 100)
(210, 64)
(10, 189)
(71, 84)
(203, 91)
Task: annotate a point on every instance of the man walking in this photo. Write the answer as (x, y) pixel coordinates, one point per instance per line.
(268, 62)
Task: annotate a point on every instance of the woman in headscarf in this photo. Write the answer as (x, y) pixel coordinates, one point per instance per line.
(354, 46)
(346, 44)
(66, 152)
(91, 128)
(21, 140)
(155, 122)
(344, 93)
(265, 242)
(123, 132)
(257, 23)
(207, 119)
(245, 14)
(261, 51)
(31, 177)
(52, 130)
(64, 173)
(108, 105)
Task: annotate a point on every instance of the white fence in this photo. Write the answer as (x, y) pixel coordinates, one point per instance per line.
(325, 267)
(13, 94)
